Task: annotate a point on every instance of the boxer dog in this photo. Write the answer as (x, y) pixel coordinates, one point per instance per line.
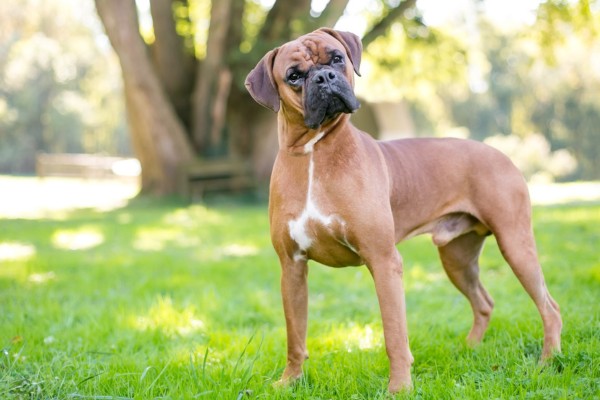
(341, 198)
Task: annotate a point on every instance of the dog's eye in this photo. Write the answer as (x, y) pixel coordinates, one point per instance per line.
(337, 59)
(295, 78)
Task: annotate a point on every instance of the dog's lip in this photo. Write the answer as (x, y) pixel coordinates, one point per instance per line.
(314, 125)
(351, 104)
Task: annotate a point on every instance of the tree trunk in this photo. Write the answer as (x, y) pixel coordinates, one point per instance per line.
(213, 84)
(158, 136)
(175, 65)
(286, 19)
(169, 121)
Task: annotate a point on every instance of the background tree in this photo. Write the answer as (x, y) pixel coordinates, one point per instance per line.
(61, 87)
(182, 103)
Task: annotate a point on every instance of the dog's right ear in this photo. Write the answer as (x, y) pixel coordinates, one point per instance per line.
(351, 42)
(261, 84)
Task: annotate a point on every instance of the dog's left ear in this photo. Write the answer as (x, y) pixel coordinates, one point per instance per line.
(352, 44)
(261, 84)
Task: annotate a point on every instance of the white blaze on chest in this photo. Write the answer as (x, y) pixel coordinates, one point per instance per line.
(310, 145)
(298, 227)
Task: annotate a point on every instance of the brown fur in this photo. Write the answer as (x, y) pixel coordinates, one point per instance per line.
(366, 196)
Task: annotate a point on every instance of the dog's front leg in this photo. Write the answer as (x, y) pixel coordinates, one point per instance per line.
(294, 291)
(387, 274)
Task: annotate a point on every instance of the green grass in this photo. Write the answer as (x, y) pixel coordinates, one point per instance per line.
(171, 301)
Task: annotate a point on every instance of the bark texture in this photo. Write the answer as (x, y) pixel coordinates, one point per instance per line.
(174, 62)
(213, 83)
(180, 107)
(158, 136)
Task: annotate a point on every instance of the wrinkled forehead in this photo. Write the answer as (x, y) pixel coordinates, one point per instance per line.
(305, 52)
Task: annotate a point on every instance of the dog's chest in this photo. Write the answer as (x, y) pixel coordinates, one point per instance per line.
(317, 233)
(302, 227)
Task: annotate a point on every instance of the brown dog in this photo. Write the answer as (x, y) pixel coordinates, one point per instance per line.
(341, 198)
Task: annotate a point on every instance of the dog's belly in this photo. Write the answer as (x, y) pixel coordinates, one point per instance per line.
(448, 227)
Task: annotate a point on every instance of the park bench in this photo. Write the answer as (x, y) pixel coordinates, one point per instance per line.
(216, 175)
(89, 166)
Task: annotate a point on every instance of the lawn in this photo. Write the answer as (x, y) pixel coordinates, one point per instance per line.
(165, 300)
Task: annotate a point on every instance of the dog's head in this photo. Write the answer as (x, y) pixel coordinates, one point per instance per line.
(311, 78)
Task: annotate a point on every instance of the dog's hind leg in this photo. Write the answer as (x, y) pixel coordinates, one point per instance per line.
(460, 258)
(519, 250)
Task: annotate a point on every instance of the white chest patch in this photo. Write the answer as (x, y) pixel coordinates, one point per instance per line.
(299, 227)
(310, 145)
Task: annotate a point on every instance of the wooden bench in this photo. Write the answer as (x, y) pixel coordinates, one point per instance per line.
(211, 175)
(77, 165)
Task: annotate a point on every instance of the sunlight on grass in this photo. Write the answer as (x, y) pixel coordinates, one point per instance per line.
(350, 338)
(238, 250)
(199, 314)
(77, 239)
(180, 227)
(164, 316)
(41, 278)
(176, 228)
(595, 272)
(193, 216)
(53, 197)
(11, 251)
(418, 278)
(361, 338)
(573, 216)
(157, 239)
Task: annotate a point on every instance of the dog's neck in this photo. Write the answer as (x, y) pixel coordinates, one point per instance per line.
(297, 139)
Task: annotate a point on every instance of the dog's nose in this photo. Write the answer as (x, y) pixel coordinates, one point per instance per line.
(324, 76)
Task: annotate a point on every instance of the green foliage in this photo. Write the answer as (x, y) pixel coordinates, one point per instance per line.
(411, 62)
(170, 301)
(183, 23)
(558, 20)
(59, 88)
(540, 81)
(199, 14)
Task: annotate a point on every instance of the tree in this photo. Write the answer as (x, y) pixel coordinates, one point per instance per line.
(181, 105)
(158, 135)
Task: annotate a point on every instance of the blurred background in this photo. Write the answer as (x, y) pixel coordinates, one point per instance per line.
(149, 88)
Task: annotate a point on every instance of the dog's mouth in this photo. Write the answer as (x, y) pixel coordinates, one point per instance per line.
(323, 103)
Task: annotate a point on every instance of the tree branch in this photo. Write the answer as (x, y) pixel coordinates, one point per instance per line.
(174, 65)
(331, 14)
(278, 25)
(381, 27)
(211, 89)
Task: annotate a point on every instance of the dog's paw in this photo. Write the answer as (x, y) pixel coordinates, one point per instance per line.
(287, 380)
(400, 386)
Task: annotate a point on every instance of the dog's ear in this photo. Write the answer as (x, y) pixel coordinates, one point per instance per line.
(261, 84)
(352, 44)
